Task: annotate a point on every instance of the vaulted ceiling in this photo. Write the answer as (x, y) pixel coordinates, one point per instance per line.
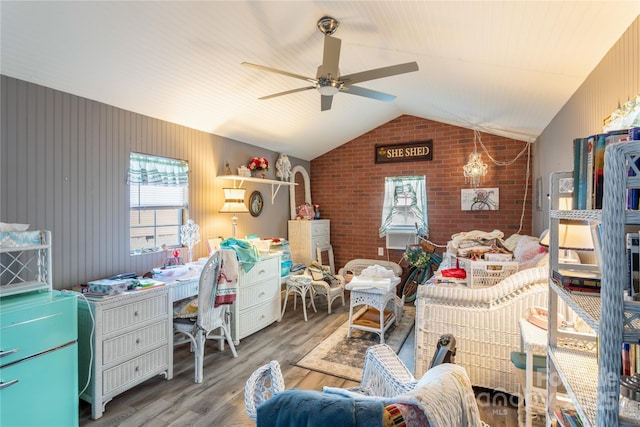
(503, 67)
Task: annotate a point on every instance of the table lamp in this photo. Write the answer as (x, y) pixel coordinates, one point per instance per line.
(573, 236)
(234, 203)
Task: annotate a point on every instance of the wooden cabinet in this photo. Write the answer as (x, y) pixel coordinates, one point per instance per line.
(257, 303)
(305, 236)
(131, 343)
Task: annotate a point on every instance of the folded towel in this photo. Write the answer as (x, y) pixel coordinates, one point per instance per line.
(228, 280)
(359, 282)
(311, 408)
(247, 253)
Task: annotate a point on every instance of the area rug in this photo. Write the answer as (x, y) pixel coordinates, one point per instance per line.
(343, 357)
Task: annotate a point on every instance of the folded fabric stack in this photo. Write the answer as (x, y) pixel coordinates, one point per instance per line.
(374, 276)
(475, 244)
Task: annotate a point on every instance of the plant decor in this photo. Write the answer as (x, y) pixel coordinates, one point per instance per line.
(258, 164)
(416, 256)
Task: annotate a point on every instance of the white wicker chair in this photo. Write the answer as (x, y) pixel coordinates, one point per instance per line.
(484, 322)
(320, 287)
(383, 376)
(263, 383)
(209, 318)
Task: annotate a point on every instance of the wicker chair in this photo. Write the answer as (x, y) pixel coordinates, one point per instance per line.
(320, 287)
(384, 376)
(484, 322)
(209, 318)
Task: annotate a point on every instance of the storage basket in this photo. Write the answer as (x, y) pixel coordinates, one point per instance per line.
(482, 274)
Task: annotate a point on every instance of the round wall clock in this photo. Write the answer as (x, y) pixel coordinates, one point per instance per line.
(255, 203)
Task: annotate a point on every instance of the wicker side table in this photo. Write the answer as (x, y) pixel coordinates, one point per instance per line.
(385, 302)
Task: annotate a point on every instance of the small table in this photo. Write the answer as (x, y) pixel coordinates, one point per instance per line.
(533, 341)
(298, 285)
(385, 301)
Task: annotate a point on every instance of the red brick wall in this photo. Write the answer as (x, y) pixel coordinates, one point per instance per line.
(348, 185)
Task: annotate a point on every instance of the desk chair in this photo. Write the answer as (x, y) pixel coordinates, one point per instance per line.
(320, 287)
(209, 318)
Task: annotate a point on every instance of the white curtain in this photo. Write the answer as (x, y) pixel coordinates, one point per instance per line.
(405, 203)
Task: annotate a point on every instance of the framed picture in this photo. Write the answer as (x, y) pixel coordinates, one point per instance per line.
(255, 203)
(480, 199)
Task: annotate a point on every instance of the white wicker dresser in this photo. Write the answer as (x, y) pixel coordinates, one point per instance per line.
(484, 322)
(132, 342)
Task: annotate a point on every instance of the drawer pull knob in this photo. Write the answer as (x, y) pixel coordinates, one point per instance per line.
(137, 369)
(261, 294)
(135, 313)
(8, 352)
(137, 340)
(4, 385)
(262, 271)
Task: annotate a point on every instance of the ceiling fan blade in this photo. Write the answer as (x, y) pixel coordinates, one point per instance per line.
(330, 58)
(325, 102)
(379, 73)
(361, 91)
(288, 92)
(284, 73)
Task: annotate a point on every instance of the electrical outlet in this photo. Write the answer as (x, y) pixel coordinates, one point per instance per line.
(381, 251)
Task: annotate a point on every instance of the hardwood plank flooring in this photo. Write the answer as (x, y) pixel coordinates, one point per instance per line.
(219, 399)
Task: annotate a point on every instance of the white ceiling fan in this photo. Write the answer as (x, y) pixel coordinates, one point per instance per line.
(328, 80)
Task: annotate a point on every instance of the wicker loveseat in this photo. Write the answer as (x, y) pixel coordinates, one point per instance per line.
(484, 322)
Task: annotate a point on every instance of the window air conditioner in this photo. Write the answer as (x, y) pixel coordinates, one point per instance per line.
(399, 237)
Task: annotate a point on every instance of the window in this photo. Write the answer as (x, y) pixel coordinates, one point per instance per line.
(404, 208)
(158, 198)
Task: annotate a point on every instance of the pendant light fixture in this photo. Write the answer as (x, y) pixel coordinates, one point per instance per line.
(475, 168)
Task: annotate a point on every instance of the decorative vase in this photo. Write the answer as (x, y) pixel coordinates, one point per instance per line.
(258, 173)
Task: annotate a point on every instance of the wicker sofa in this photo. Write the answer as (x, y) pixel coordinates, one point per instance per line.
(484, 322)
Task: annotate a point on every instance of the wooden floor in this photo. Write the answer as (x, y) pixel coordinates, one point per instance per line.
(219, 399)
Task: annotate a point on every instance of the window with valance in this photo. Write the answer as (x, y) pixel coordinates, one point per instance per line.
(405, 204)
(158, 199)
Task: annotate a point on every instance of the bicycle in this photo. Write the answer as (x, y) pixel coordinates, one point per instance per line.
(423, 261)
(482, 201)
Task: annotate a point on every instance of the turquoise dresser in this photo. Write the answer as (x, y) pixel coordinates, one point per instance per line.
(39, 359)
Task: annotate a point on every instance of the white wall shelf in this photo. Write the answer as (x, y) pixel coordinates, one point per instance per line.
(239, 180)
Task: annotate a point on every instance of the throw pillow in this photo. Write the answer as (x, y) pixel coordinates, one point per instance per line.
(186, 308)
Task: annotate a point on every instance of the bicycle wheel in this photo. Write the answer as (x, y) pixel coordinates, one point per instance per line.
(480, 205)
(415, 277)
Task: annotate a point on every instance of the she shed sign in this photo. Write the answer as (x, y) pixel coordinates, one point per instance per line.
(408, 152)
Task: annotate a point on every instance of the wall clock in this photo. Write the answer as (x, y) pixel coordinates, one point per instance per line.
(255, 203)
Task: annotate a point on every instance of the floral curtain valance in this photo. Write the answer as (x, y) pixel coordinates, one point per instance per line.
(157, 171)
(404, 195)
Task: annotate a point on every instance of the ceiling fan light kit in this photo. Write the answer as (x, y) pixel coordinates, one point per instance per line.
(328, 80)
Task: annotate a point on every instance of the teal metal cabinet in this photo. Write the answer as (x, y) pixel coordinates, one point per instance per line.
(39, 359)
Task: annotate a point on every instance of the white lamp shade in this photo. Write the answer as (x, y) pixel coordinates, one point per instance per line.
(576, 236)
(234, 201)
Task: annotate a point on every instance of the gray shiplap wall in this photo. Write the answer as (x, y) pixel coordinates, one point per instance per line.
(614, 81)
(64, 161)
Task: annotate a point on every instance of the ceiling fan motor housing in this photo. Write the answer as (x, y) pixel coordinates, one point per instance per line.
(328, 25)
